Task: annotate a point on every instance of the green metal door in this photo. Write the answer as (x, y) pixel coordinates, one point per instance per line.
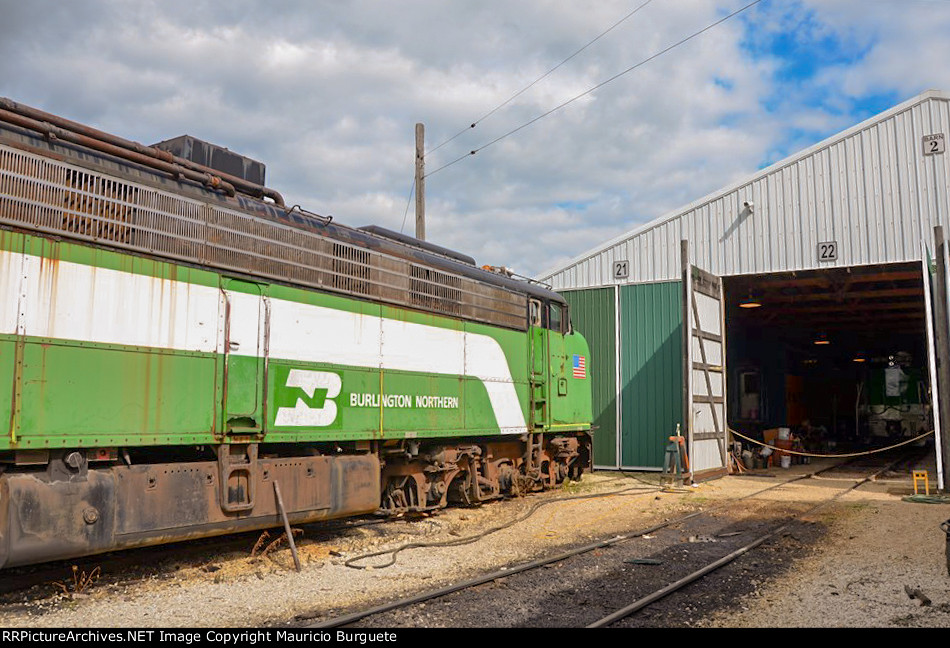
(538, 366)
(245, 353)
(558, 363)
(651, 371)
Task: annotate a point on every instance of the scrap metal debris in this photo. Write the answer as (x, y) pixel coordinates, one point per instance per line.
(914, 593)
(281, 539)
(260, 543)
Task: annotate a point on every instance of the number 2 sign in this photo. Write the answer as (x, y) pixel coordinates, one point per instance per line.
(934, 144)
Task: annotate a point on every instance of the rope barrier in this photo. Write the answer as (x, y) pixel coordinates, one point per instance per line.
(832, 456)
(927, 499)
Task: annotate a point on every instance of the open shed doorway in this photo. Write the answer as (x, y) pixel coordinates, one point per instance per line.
(838, 357)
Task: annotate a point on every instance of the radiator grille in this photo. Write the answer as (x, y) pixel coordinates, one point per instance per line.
(436, 291)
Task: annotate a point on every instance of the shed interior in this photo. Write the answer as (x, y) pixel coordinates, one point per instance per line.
(838, 356)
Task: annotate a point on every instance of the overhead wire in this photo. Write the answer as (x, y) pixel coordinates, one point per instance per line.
(518, 94)
(412, 190)
(539, 79)
(598, 86)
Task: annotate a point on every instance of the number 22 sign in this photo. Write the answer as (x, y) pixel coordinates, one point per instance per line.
(828, 251)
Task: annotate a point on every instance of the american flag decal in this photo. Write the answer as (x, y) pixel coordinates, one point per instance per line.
(580, 366)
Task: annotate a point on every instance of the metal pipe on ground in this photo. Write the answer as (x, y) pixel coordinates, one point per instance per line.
(289, 531)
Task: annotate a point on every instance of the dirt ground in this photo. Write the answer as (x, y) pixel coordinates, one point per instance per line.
(848, 567)
(876, 547)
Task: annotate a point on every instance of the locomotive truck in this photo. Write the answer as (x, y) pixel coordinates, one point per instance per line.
(175, 340)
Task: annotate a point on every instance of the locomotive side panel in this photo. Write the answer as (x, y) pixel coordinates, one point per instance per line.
(345, 369)
(106, 349)
(129, 370)
(570, 382)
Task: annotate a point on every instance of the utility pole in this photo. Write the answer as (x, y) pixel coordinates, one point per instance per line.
(420, 183)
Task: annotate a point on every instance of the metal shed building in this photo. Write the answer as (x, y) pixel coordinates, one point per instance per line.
(835, 243)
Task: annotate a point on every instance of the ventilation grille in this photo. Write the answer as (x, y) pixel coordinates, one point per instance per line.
(351, 269)
(56, 198)
(436, 291)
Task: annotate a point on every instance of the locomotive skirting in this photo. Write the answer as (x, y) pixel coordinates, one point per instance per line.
(47, 516)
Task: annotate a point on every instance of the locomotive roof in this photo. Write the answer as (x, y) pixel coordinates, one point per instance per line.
(369, 238)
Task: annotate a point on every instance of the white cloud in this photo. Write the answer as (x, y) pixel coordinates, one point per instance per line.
(327, 96)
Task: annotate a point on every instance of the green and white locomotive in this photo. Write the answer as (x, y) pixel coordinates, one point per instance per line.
(174, 340)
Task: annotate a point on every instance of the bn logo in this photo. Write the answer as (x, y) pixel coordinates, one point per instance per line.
(302, 414)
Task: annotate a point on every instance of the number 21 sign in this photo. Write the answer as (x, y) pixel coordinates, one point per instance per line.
(621, 269)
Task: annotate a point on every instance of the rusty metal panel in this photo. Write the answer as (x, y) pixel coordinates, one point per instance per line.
(44, 517)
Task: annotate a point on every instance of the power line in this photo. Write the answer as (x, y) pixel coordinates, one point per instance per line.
(540, 78)
(412, 189)
(596, 87)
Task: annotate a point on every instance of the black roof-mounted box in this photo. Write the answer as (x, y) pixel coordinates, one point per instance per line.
(215, 157)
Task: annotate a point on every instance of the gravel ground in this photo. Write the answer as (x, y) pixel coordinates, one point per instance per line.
(871, 545)
(876, 545)
(578, 591)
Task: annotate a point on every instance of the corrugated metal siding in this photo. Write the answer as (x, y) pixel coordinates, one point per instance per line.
(651, 370)
(593, 314)
(870, 188)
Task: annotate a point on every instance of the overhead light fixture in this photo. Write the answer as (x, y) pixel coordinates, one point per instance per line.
(822, 339)
(750, 301)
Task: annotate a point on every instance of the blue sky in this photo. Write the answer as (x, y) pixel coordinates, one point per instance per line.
(802, 47)
(327, 95)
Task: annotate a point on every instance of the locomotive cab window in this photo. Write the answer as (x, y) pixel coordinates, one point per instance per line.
(534, 312)
(555, 318)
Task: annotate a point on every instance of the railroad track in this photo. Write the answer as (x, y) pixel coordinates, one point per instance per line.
(568, 594)
(159, 561)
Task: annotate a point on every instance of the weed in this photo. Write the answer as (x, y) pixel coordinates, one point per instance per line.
(81, 581)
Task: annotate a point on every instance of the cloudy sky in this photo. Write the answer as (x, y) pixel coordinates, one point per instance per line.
(327, 95)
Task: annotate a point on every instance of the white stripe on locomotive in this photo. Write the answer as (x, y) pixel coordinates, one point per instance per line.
(92, 304)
